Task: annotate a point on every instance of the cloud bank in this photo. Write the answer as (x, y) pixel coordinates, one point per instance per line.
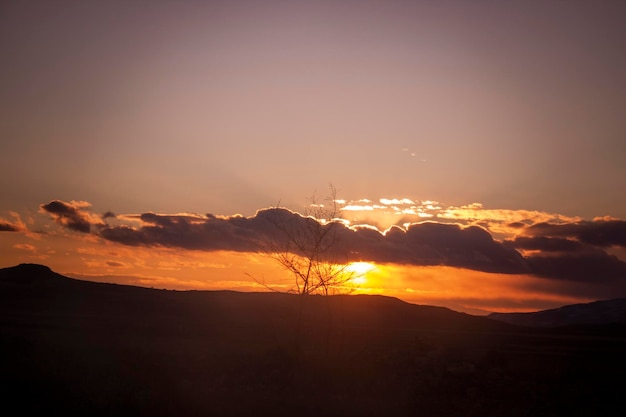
(602, 233)
(574, 251)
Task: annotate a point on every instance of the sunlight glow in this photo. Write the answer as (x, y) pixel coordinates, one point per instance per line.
(360, 270)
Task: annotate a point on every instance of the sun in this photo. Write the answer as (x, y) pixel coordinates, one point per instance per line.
(360, 270)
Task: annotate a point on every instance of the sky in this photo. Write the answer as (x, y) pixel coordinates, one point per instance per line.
(478, 149)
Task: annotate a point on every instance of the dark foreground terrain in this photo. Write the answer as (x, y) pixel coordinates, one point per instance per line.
(72, 347)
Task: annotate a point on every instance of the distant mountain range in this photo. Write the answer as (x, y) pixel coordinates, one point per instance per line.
(37, 287)
(594, 313)
(30, 279)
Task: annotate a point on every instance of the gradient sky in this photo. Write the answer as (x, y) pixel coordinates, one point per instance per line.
(488, 113)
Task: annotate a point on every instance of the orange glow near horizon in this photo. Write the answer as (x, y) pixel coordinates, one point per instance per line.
(158, 267)
(464, 290)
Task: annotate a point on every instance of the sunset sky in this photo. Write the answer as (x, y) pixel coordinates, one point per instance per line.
(478, 148)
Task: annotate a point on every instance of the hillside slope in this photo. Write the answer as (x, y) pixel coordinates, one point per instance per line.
(82, 348)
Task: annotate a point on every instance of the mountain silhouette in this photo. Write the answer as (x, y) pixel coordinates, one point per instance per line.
(76, 347)
(28, 274)
(38, 287)
(603, 312)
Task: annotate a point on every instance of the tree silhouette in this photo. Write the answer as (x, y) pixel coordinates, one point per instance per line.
(309, 249)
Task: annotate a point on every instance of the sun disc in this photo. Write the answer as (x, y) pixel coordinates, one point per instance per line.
(360, 270)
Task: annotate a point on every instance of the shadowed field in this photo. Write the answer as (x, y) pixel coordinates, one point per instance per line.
(77, 347)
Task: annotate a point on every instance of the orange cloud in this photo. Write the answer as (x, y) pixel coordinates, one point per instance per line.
(15, 225)
(25, 246)
(404, 211)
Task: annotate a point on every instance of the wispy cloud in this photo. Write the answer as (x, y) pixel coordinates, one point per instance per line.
(401, 211)
(6, 226)
(25, 246)
(15, 225)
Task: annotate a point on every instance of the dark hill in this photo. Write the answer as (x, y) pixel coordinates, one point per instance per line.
(44, 293)
(75, 347)
(28, 274)
(605, 313)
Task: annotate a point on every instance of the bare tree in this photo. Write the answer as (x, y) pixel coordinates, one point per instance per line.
(309, 248)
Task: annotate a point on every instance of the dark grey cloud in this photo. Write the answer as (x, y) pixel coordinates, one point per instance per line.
(435, 244)
(189, 232)
(9, 227)
(72, 215)
(421, 244)
(572, 252)
(593, 267)
(601, 233)
(544, 244)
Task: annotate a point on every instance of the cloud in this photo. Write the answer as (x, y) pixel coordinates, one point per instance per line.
(6, 226)
(517, 225)
(572, 251)
(432, 243)
(25, 246)
(72, 215)
(420, 244)
(544, 244)
(188, 232)
(603, 233)
(401, 211)
(475, 212)
(12, 226)
(597, 267)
